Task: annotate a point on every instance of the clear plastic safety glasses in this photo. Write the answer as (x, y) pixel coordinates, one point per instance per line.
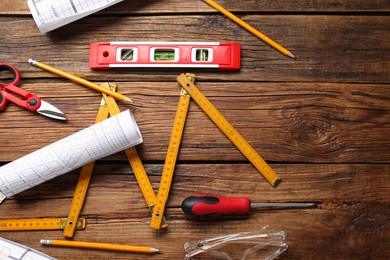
(244, 246)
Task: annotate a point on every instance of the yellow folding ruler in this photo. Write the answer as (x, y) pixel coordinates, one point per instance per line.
(171, 157)
(37, 224)
(222, 123)
(84, 179)
(108, 107)
(136, 165)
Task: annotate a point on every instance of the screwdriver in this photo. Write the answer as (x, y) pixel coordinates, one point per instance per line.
(202, 204)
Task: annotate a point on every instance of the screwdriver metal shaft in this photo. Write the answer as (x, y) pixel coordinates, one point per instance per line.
(283, 205)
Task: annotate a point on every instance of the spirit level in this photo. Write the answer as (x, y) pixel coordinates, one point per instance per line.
(223, 56)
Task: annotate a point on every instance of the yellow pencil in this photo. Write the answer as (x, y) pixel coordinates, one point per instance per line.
(100, 246)
(249, 28)
(79, 80)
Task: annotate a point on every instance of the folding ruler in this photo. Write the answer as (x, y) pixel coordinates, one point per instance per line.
(224, 125)
(190, 90)
(108, 107)
(37, 224)
(136, 165)
(170, 160)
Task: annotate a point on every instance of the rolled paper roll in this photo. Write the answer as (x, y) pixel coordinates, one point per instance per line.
(90, 144)
(12, 250)
(50, 14)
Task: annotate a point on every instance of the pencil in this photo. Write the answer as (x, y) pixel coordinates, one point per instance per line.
(79, 80)
(100, 246)
(249, 28)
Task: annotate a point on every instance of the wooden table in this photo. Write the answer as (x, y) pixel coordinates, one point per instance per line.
(322, 121)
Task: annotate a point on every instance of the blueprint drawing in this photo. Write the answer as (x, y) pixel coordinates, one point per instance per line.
(51, 14)
(97, 141)
(14, 251)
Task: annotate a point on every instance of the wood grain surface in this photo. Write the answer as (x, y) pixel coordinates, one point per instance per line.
(321, 120)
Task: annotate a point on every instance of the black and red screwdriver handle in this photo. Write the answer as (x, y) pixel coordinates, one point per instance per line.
(202, 204)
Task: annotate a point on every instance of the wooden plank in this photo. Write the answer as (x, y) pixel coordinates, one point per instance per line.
(354, 203)
(321, 121)
(20, 7)
(328, 48)
(309, 235)
(284, 121)
(334, 186)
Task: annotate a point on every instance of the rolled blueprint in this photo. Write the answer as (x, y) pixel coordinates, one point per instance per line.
(10, 250)
(52, 14)
(97, 141)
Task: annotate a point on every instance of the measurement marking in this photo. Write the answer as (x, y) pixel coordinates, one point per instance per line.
(222, 123)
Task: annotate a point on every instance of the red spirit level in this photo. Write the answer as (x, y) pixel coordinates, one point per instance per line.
(223, 56)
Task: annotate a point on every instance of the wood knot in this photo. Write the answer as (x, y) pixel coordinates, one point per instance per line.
(312, 130)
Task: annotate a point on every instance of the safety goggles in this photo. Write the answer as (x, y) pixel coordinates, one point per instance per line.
(244, 246)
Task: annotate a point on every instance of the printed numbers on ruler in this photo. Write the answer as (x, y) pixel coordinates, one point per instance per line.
(222, 123)
(171, 157)
(37, 224)
(141, 176)
(134, 160)
(136, 164)
(84, 178)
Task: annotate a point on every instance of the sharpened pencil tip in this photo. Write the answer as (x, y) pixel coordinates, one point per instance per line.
(128, 100)
(154, 250)
(290, 55)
